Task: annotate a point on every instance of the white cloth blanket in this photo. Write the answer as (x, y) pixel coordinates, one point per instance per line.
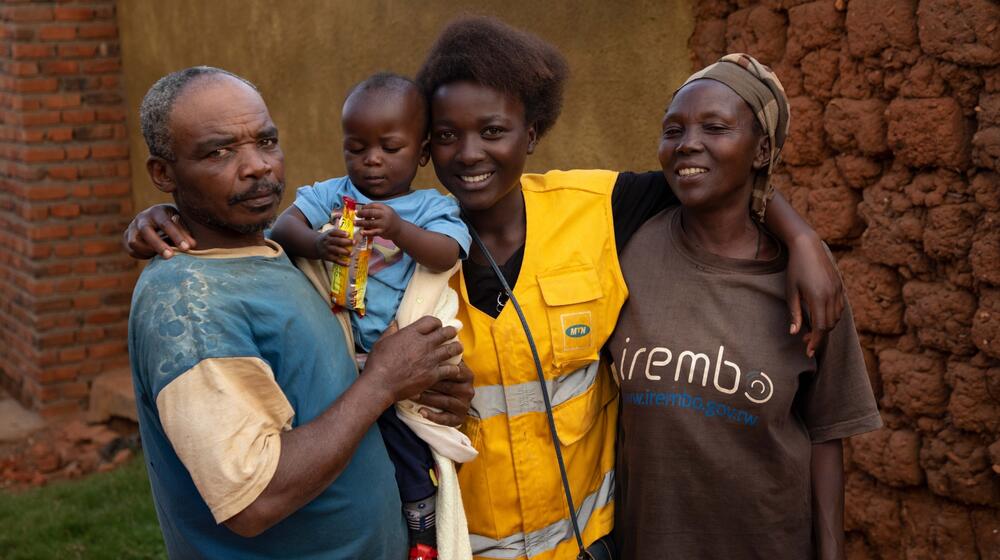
(428, 294)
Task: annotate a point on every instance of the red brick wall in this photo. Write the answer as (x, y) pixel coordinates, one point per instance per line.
(894, 156)
(64, 200)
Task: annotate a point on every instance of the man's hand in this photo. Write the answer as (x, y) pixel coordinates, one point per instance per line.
(150, 231)
(813, 277)
(409, 361)
(452, 395)
(334, 245)
(381, 220)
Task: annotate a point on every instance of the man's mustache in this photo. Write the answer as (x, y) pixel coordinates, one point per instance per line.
(257, 189)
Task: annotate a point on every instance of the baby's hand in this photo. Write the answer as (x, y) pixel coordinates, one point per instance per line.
(333, 245)
(381, 220)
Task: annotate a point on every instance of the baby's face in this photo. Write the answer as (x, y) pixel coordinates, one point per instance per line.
(384, 141)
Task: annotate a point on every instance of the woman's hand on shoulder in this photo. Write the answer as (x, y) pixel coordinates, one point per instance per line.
(813, 279)
(157, 230)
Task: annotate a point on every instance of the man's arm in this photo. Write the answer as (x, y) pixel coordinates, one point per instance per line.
(400, 366)
(827, 468)
(812, 274)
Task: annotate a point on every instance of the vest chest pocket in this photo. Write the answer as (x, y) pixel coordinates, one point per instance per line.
(572, 303)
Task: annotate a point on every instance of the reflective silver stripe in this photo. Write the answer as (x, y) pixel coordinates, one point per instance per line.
(492, 400)
(507, 547)
(546, 538)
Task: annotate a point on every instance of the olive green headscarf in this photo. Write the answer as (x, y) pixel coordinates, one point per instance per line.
(760, 88)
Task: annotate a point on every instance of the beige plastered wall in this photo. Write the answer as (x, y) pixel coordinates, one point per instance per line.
(626, 58)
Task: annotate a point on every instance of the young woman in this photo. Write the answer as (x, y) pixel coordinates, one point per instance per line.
(494, 92)
(731, 434)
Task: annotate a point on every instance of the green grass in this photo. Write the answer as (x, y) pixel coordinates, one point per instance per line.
(105, 515)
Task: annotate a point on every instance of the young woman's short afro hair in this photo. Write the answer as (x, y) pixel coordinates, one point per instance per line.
(491, 53)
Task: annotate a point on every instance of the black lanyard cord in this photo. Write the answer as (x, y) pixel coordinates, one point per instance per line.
(557, 445)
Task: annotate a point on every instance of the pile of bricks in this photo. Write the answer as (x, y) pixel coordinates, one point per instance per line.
(68, 451)
(894, 156)
(64, 200)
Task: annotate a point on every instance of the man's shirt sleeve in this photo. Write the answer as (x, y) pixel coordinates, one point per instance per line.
(223, 418)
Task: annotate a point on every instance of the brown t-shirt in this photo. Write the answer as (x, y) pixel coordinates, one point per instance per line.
(721, 405)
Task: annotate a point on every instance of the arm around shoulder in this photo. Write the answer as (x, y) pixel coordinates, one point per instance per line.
(812, 273)
(148, 234)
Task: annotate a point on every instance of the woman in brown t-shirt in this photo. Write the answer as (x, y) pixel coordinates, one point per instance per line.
(731, 433)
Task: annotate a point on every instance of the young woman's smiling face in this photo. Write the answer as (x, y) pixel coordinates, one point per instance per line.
(479, 143)
(709, 149)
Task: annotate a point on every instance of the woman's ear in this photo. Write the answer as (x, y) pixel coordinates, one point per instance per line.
(161, 174)
(763, 157)
(425, 152)
(532, 139)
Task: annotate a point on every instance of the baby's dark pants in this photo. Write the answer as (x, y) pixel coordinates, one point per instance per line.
(410, 455)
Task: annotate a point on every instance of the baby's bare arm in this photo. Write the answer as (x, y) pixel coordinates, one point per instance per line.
(436, 251)
(292, 231)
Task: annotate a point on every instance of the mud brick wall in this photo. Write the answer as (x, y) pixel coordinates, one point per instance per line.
(894, 157)
(64, 200)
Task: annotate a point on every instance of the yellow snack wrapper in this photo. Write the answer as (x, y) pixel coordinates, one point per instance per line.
(349, 282)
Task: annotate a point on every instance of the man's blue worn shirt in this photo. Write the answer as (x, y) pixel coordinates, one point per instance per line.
(206, 328)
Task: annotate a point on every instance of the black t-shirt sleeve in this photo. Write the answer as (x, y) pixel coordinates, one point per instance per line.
(636, 198)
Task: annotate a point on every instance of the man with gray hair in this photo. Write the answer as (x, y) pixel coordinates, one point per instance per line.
(259, 435)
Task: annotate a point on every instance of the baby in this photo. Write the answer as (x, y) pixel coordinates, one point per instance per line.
(384, 122)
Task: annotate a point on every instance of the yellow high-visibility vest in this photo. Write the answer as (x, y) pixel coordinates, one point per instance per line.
(571, 290)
